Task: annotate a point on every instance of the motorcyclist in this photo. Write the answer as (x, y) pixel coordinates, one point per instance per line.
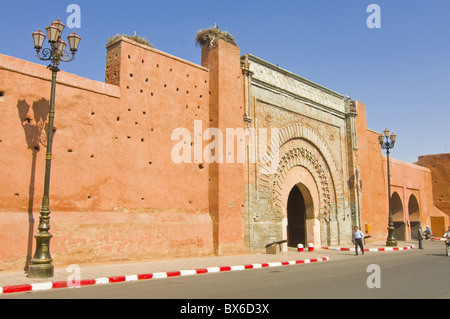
(447, 236)
(427, 233)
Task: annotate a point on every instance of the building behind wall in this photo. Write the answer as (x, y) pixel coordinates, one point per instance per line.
(141, 166)
(439, 165)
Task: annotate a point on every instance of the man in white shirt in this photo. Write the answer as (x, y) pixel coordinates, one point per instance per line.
(357, 238)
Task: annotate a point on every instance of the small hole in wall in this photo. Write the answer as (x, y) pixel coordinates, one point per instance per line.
(200, 166)
(129, 56)
(2, 93)
(36, 148)
(142, 140)
(150, 163)
(146, 80)
(69, 150)
(131, 75)
(142, 60)
(118, 119)
(92, 156)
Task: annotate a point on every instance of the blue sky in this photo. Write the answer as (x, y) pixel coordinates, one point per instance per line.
(401, 71)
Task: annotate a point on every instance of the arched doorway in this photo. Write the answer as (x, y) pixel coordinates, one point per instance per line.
(300, 216)
(414, 216)
(397, 216)
(296, 215)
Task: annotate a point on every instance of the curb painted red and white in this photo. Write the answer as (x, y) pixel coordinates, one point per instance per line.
(371, 249)
(157, 275)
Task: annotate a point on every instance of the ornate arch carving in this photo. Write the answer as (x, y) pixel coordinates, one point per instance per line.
(300, 145)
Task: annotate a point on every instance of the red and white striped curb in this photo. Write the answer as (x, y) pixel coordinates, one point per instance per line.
(168, 274)
(371, 249)
(437, 238)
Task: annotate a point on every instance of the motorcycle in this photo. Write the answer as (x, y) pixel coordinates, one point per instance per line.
(447, 247)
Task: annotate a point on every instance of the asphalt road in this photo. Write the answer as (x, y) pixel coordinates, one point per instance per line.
(411, 274)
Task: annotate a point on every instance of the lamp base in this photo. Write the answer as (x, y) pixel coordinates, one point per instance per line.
(40, 271)
(390, 242)
(41, 264)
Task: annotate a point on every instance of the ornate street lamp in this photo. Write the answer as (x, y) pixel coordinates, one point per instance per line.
(387, 142)
(41, 264)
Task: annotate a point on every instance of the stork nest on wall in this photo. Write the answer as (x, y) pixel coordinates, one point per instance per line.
(207, 36)
(135, 38)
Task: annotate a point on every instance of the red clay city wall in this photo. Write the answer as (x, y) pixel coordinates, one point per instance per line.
(116, 193)
(133, 175)
(411, 188)
(439, 165)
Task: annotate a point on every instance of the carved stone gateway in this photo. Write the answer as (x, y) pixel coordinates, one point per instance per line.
(309, 152)
(297, 151)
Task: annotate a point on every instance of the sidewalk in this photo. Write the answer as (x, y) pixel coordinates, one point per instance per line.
(11, 282)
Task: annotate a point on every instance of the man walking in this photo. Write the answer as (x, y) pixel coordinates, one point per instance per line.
(357, 238)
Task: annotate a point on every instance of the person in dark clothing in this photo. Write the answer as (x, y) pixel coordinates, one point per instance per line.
(357, 238)
(420, 234)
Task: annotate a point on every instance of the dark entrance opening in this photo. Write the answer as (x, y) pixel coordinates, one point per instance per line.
(397, 216)
(296, 218)
(414, 216)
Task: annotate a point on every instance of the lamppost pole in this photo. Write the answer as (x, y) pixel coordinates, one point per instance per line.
(41, 264)
(388, 144)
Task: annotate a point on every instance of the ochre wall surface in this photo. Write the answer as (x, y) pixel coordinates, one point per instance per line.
(407, 181)
(116, 193)
(439, 165)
